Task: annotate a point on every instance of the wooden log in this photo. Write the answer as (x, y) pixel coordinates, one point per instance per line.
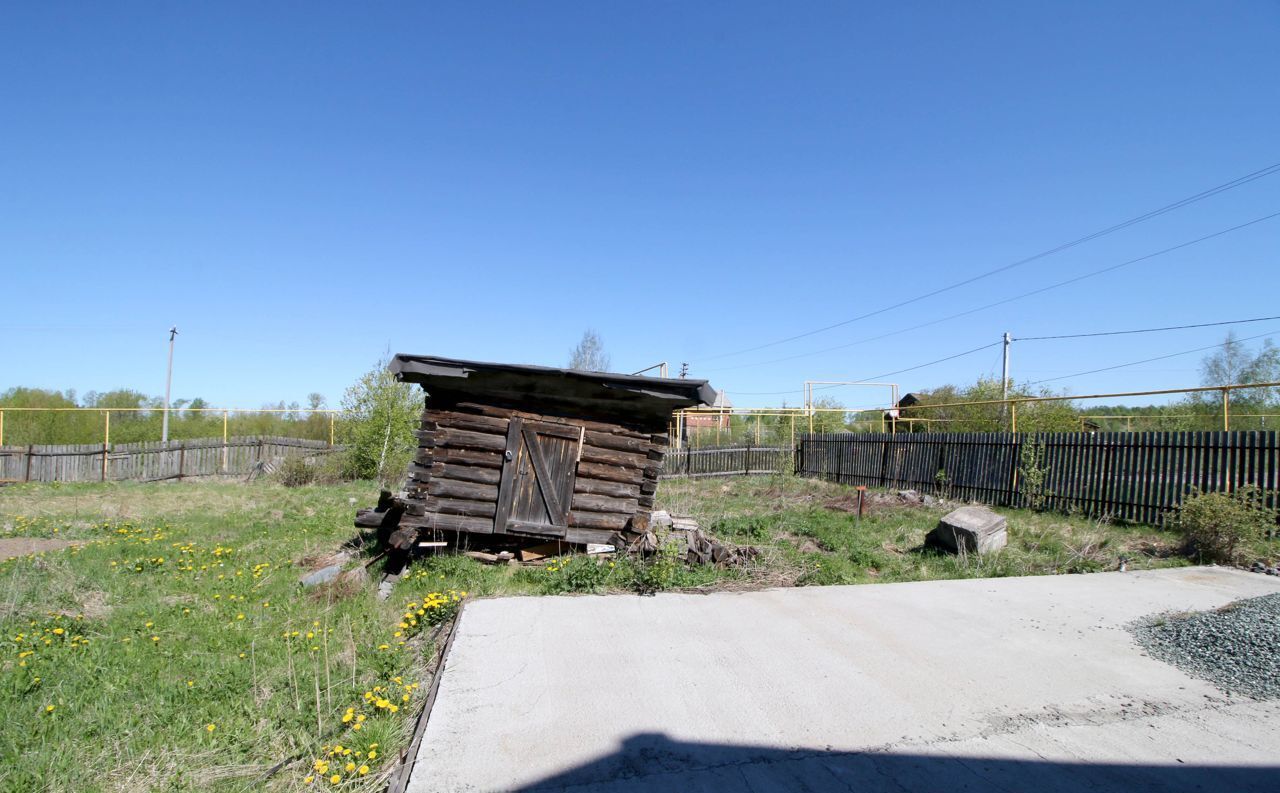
(595, 454)
(467, 439)
(599, 487)
(645, 502)
(450, 523)
(452, 506)
(466, 473)
(468, 491)
(610, 473)
(597, 520)
(648, 487)
(469, 421)
(607, 440)
(468, 457)
(591, 425)
(588, 503)
(584, 536)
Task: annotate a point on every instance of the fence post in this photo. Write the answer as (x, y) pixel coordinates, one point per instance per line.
(1, 428)
(182, 459)
(746, 465)
(31, 450)
(224, 441)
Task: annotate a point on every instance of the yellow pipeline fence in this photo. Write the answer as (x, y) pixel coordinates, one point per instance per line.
(1206, 408)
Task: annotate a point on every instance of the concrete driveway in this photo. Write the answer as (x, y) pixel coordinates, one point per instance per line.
(997, 684)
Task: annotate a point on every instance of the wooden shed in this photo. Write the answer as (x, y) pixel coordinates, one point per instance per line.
(533, 452)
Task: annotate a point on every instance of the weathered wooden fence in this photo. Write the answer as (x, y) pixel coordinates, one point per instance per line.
(727, 461)
(1135, 476)
(147, 461)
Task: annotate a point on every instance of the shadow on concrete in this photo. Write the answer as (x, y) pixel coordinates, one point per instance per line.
(653, 763)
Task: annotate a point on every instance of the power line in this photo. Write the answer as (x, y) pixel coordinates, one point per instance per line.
(930, 363)
(1033, 292)
(1231, 185)
(1144, 330)
(1145, 360)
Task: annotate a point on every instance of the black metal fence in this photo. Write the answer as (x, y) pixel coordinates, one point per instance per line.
(1136, 476)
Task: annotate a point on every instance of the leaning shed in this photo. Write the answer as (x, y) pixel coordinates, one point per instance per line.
(532, 452)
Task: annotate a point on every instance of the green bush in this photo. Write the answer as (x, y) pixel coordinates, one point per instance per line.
(296, 471)
(1216, 525)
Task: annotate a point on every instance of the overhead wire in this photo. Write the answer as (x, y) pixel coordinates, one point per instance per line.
(1144, 330)
(1231, 185)
(1145, 360)
(1020, 296)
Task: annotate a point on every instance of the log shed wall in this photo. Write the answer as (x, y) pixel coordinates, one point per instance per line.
(569, 455)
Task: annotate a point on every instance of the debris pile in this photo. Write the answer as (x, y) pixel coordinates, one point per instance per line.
(1236, 647)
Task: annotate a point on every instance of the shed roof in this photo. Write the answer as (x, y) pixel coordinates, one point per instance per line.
(542, 387)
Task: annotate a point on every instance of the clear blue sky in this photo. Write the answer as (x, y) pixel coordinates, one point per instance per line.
(300, 187)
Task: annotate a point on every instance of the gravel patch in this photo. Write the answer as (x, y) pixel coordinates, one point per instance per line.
(1236, 647)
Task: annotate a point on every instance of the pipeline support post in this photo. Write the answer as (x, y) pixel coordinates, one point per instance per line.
(224, 441)
(1013, 416)
(331, 419)
(1226, 410)
(106, 441)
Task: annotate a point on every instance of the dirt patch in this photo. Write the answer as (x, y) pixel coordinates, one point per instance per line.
(21, 546)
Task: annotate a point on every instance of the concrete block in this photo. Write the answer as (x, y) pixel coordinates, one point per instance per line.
(975, 529)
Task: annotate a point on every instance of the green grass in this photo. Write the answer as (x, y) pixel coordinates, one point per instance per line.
(184, 611)
(808, 534)
(182, 562)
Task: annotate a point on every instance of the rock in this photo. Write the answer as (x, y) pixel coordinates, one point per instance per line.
(1273, 571)
(1259, 567)
(975, 529)
(660, 519)
(323, 575)
(910, 496)
(929, 501)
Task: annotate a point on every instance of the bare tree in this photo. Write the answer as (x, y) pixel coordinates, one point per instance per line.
(589, 355)
(1234, 363)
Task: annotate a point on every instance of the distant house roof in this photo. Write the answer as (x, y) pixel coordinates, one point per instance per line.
(722, 401)
(908, 400)
(543, 387)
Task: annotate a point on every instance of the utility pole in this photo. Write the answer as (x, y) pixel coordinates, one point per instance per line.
(1004, 376)
(684, 371)
(168, 381)
(1004, 372)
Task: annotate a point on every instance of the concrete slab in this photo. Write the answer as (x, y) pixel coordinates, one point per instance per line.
(1012, 684)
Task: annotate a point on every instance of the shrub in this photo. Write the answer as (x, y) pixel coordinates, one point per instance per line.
(1215, 525)
(296, 471)
(577, 573)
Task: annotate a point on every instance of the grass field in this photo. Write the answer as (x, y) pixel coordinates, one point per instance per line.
(173, 649)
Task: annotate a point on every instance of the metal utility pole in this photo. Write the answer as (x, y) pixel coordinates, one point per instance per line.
(168, 381)
(1004, 376)
(684, 371)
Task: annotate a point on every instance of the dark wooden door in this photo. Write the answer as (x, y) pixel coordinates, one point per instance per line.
(536, 490)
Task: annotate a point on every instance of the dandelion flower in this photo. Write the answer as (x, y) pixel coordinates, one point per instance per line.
(48, 708)
(364, 769)
(210, 727)
(349, 767)
(335, 779)
(307, 780)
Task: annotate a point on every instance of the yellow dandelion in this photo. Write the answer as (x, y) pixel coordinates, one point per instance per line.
(335, 779)
(364, 769)
(210, 727)
(48, 708)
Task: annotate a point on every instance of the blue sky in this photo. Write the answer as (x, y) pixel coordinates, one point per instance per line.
(300, 187)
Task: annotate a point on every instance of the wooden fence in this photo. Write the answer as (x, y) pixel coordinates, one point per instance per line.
(1135, 476)
(727, 461)
(147, 461)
